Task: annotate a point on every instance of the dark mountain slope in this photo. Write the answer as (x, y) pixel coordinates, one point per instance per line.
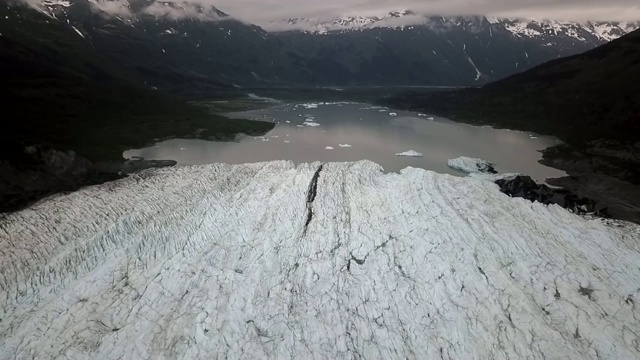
(462, 51)
(585, 97)
(57, 92)
(591, 101)
(57, 89)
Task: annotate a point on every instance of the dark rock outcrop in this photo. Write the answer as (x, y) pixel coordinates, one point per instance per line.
(525, 187)
(29, 173)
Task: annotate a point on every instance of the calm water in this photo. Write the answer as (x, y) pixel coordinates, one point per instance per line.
(306, 132)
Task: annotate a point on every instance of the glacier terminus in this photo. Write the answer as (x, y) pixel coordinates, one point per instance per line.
(333, 261)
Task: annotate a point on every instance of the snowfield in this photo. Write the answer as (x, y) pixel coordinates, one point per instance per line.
(331, 261)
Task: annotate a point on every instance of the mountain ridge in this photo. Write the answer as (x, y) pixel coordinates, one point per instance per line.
(195, 50)
(520, 27)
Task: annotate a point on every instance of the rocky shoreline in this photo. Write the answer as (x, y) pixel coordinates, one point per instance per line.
(606, 171)
(29, 173)
(37, 171)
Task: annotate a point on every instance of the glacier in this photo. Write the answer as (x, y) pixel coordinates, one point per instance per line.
(322, 260)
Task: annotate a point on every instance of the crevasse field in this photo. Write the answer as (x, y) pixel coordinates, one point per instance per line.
(335, 261)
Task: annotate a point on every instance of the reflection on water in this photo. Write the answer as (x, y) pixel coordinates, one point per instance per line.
(350, 132)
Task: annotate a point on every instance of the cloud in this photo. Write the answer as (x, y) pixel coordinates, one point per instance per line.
(263, 12)
(266, 12)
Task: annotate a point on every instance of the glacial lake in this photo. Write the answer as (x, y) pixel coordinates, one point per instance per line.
(352, 131)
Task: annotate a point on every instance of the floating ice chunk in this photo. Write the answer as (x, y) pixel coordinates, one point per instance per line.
(310, 105)
(382, 110)
(344, 145)
(410, 153)
(288, 121)
(329, 148)
(310, 124)
(472, 165)
(421, 114)
(431, 118)
(275, 136)
(265, 139)
(393, 114)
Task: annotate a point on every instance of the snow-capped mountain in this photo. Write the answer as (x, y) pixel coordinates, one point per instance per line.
(406, 19)
(186, 47)
(132, 9)
(344, 23)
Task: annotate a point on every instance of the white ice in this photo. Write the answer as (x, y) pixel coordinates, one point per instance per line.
(262, 261)
(344, 145)
(470, 165)
(410, 153)
(310, 124)
(329, 148)
(393, 114)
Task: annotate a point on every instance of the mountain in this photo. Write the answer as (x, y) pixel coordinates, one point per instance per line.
(64, 81)
(588, 31)
(177, 46)
(404, 48)
(196, 50)
(69, 105)
(580, 98)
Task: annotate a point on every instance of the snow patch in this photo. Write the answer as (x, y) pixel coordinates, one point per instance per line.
(77, 31)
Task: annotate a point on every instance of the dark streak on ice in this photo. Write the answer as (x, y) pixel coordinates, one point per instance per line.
(311, 196)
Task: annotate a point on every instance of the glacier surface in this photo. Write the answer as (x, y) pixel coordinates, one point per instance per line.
(335, 261)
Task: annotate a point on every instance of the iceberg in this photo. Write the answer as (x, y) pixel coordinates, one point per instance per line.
(410, 153)
(334, 260)
(472, 165)
(311, 105)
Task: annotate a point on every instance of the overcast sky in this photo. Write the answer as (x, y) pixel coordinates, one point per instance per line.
(265, 11)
